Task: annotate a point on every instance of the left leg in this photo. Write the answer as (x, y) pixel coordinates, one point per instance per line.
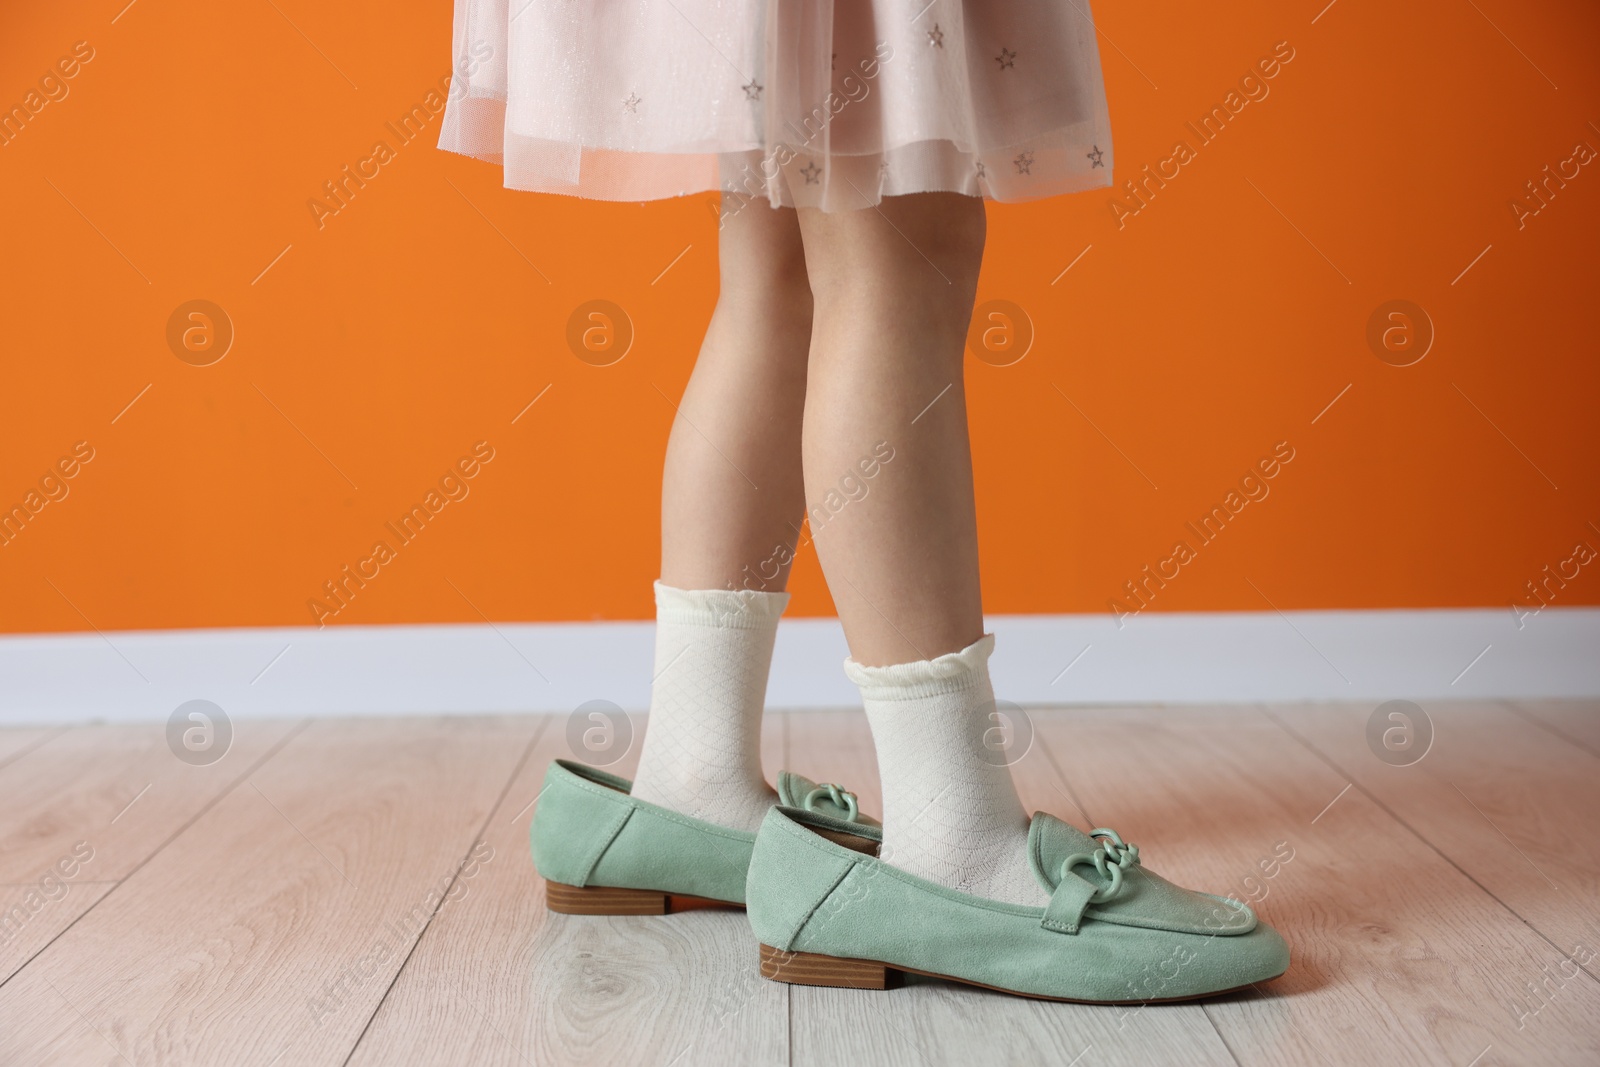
(731, 502)
(732, 492)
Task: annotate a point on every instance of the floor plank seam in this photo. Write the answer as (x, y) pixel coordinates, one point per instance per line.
(494, 809)
(1393, 963)
(26, 749)
(179, 832)
(1549, 727)
(1077, 802)
(1513, 912)
(1206, 1011)
(1061, 776)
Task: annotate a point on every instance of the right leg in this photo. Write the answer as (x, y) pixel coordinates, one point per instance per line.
(893, 295)
(894, 290)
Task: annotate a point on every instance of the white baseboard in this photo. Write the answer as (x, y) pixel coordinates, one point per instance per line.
(1039, 660)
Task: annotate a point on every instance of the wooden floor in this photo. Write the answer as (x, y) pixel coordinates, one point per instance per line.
(360, 892)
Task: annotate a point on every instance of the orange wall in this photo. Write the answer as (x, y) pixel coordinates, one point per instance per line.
(1196, 335)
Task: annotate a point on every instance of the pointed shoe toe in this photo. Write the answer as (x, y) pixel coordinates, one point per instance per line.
(827, 911)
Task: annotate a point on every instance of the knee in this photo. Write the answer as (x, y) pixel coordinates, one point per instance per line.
(774, 289)
(955, 237)
(961, 232)
(773, 284)
(926, 246)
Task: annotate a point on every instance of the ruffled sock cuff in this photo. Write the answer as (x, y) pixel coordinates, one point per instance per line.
(952, 672)
(737, 609)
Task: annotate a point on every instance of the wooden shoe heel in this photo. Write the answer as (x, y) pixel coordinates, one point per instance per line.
(603, 900)
(807, 968)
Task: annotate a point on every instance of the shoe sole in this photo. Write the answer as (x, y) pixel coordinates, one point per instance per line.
(809, 968)
(608, 900)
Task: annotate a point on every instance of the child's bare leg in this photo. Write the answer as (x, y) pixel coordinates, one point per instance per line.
(732, 497)
(732, 492)
(894, 289)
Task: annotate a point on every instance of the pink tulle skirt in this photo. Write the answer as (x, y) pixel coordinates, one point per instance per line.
(832, 104)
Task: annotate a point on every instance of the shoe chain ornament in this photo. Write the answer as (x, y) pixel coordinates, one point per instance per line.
(1112, 858)
(1074, 893)
(843, 798)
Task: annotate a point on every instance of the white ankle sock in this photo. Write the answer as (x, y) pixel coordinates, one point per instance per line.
(949, 815)
(702, 747)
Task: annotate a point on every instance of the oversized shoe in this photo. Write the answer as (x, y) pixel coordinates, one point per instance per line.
(603, 852)
(827, 911)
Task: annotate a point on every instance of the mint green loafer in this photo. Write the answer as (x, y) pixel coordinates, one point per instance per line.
(603, 852)
(828, 912)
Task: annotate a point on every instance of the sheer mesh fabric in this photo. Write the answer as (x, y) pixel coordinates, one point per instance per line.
(819, 103)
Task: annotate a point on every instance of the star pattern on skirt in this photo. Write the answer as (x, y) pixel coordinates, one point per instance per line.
(812, 172)
(632, 103)
(1094, 157)
(936, 36)
(1023, 161)
(752, 91)
(982, 172)
(1006, 58)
